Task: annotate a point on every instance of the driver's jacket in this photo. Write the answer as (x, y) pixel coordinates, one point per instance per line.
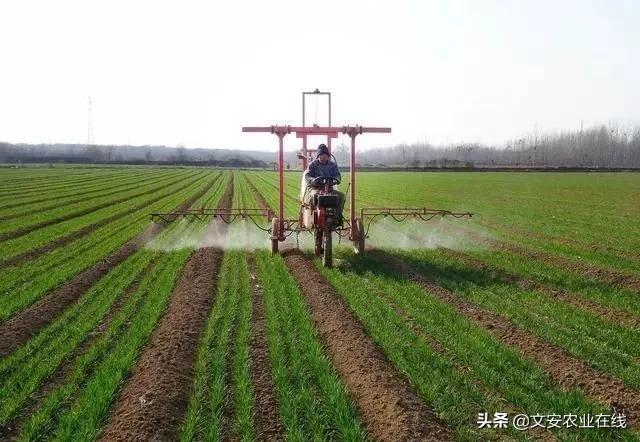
(316, 169)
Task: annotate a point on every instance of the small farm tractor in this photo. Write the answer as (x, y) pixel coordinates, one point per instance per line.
(320, 216)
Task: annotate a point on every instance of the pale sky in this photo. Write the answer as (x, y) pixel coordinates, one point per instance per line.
(194, 72)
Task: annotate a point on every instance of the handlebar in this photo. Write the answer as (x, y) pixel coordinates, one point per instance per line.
(322, 180)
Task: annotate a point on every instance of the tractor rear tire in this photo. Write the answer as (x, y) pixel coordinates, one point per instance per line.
(275, 234)
(318, 239)
(327, 253)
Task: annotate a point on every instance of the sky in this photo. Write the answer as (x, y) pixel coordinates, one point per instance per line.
(193, 73)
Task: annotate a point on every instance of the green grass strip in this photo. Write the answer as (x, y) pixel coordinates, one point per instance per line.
(609, 347)
(311, 398)
(46, 417)
(205, 417)
(84, 419)
(519, 380)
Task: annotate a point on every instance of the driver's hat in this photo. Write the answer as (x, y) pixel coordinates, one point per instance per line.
(322, 148)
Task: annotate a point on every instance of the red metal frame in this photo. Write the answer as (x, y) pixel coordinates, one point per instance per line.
(330, 132)
(304, 123)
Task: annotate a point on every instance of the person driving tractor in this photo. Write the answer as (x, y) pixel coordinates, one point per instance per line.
(322, 166)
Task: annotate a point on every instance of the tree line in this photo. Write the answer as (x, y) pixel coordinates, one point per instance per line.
(603, 146)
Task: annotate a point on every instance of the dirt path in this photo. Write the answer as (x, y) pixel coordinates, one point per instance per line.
(267, 419)
(163, 376)
(21, 327)
(610, 314)
(566, 370)
(390, 409)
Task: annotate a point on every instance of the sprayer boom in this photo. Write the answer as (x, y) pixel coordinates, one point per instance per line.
(400, 214)
(228, 215)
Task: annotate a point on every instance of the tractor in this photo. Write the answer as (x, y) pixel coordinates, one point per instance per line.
(319, 218)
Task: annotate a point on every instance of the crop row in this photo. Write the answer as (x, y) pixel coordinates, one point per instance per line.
(455, 365)
(23, 284)
(143, 195)
(21, 206)
(78, 405)
(64, 183)
(83, 207)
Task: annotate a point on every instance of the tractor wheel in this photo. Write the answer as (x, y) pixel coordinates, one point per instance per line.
(275, 233)
(327, 253)
(358, 244)
(318, 237)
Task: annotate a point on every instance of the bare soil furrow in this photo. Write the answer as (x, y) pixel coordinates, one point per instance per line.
(155, 398)
(389, 407)
(566, 370)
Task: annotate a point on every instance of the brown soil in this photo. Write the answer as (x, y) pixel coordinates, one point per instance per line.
(267, 420)
(64, 240)
(564, 369)
(600, 310)
(21, 327)
(155, 398)
(389, 407)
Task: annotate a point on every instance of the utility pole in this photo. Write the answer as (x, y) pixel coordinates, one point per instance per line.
(89, 126)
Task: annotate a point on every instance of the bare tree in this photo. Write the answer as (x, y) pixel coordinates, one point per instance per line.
(182, 153)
